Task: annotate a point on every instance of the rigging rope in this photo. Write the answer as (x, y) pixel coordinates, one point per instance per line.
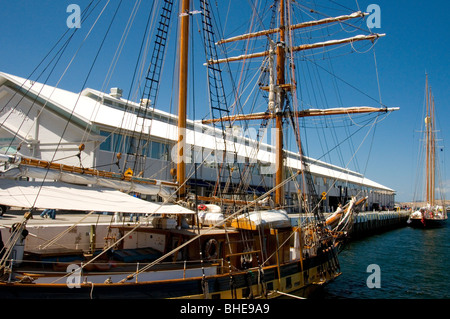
(69, 64)
(57, 56)
(123, 141)
(114, 61)
(63, 233)
(205, 232)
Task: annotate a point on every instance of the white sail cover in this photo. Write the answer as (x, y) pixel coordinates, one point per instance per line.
(72, 178)
(64, 196)
(275, 218)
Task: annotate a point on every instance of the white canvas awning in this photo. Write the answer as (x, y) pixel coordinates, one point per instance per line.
(64, 196)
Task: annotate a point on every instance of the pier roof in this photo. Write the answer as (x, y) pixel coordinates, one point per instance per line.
(95, 109)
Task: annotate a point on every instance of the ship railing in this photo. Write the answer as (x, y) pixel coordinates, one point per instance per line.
(61, 269)
(24, 263)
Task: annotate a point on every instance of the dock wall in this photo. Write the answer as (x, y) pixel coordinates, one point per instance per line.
(369, 223)
(366, 223)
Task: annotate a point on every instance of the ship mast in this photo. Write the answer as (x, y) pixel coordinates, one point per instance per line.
(182, 96)
(433, 151)
(430, 146)
(279, 192)
(278, 92)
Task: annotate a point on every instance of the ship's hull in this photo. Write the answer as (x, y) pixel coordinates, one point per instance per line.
(427, 222)
(299, 278)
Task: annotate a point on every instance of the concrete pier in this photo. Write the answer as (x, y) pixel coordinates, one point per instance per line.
(368, 223)
(43, 229)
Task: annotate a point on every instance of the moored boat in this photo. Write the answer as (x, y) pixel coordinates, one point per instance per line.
(428, 217)
(432, 214)
(188, 246)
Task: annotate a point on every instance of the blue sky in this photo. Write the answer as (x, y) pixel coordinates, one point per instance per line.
(416, 42)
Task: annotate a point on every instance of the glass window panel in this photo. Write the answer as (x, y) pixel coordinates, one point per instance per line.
(106, 144)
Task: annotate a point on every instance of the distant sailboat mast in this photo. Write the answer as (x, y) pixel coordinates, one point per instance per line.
(430, 146)
(433, 214)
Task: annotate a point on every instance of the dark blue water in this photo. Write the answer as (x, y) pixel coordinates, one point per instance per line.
(413, 264)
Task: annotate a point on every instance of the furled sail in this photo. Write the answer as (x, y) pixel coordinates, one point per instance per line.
(126, 185)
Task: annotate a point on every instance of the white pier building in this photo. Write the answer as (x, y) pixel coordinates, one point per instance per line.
(36, 119)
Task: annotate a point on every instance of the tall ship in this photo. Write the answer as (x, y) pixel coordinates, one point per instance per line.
(433, 213)
(233, 242)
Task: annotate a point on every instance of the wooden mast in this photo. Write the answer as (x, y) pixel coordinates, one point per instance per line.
(281, 87)
(280, 51)
(430, 147)
(371, 37)
(357, 14)
(302, 113)
(427, 145)
(182, 96)
(433, 152)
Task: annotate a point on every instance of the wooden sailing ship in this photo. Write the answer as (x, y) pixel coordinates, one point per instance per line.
(242, 249)
(432, 214)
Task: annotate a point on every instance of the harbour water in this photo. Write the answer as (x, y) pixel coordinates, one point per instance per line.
(413, 264)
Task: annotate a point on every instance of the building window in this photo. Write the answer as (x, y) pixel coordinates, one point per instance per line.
(155, 150)
(131, 143)
(117, 143)
(159, 151)
(106, 144)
